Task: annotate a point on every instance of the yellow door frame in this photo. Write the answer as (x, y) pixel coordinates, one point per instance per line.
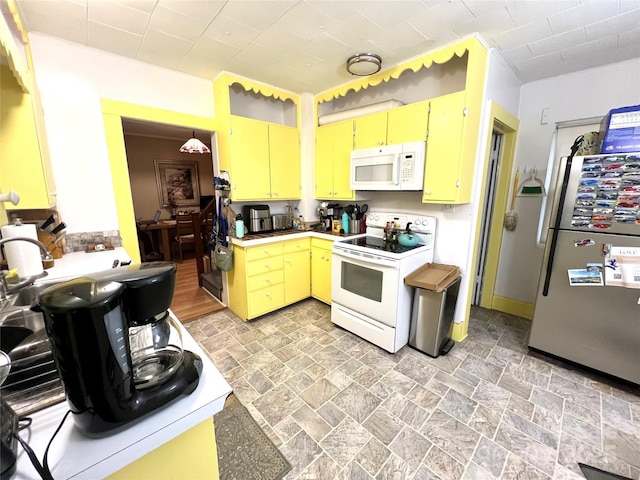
(501, 121)
(112, 113)
(507, 125)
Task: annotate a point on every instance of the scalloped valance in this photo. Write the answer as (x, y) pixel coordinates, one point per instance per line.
(441, 56)
(261, 89)
(11, 50)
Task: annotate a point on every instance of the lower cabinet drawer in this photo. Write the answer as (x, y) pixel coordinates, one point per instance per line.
(263, 280)
(265, 300)
(264, 265)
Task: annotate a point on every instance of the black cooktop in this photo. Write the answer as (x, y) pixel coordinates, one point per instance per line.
(376, 243)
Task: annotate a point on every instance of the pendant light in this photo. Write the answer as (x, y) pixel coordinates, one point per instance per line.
(363, 64)
(193, 145)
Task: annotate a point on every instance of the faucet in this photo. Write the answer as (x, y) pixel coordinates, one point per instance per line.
(4, 288)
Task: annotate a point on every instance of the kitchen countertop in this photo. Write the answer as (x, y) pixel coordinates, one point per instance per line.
(262, 238)
(80, 263)
(73, 455)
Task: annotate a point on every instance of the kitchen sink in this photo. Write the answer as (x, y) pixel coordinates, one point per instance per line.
(22, 318)
(33, 382)
(26, 296)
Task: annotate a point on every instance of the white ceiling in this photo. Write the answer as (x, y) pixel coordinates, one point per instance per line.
(302, 45)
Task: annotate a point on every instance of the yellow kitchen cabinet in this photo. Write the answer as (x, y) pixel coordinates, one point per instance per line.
(265, 160)
(167, 461)
(258, 139)
(446, 170)
(334, 144)
(370, 130)
(408, 123)
(249, 163)
(284, 162)
(397, 125)
(297, 270)
(24, 158)
(256, 281)
(321, 269)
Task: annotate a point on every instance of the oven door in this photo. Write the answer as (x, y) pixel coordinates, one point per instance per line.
(366, 283)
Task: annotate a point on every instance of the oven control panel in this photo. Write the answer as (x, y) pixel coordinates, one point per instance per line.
(419, 223)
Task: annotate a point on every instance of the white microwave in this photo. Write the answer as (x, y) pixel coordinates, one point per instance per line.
(391, 167)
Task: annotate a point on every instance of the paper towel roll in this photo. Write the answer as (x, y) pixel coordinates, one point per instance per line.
(23, 256)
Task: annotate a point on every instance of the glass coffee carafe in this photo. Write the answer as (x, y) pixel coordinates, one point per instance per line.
(156, 351)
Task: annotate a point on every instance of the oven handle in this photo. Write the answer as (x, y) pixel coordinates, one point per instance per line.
(360, 321)
(378, 261)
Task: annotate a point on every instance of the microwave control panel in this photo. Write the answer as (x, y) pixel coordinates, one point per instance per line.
(408, 168)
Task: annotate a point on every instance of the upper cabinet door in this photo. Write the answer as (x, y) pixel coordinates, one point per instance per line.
(284, 158)
(249, 176)
(371, 130)
(334, 144)
(442, 170)
(408, 123)
(342, 148)
(25, 166)
(324, 162)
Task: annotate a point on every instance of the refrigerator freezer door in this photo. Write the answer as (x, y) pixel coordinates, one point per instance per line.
(595, 326)
(596, 186)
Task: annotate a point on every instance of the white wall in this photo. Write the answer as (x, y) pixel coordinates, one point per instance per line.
(585, 94)
(72, 79)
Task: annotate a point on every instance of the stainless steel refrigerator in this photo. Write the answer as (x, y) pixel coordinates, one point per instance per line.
(588, 302)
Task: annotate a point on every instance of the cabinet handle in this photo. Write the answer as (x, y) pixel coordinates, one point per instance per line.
(266, 265)
(268, 280)
(268, 294)
(288, 261)
(380, 142)
(335, 193)
(275, 194)
(427, 192)
(266, 251)
(329, 192)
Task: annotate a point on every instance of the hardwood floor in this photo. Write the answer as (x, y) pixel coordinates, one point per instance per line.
(189, 300)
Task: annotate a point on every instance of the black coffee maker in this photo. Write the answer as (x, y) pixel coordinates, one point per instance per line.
(118, 351)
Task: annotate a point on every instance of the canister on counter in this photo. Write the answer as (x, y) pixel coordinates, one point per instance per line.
(239, 226)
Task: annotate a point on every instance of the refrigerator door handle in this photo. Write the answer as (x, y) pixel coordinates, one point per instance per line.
(558, 215)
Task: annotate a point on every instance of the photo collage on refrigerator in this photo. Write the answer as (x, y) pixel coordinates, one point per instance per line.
(608, 192)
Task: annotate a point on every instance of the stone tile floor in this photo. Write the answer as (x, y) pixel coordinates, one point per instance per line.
(339, 407)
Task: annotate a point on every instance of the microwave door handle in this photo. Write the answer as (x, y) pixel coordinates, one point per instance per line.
(396, 170)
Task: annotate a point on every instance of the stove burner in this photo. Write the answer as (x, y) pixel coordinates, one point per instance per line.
(376, 243)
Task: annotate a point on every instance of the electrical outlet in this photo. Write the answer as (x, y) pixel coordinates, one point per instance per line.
(448, 208)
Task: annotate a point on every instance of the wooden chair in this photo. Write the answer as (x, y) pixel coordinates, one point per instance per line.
(184, 232)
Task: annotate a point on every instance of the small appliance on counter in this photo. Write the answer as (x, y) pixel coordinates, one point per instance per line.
(117, 348)
(257, 218)
(282, 221)
(327, 213)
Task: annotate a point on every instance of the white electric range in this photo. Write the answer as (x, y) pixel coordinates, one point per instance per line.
(369, 297)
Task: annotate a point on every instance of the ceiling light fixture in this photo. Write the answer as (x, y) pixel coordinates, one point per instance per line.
(363, 64)
(193, 145)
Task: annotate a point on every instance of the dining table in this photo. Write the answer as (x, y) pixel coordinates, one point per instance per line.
(165, 228)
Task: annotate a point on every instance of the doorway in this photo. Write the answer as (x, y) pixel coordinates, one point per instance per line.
(493, 169)
(500, 171)
(151, 150)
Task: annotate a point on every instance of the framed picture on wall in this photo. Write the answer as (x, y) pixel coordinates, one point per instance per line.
(177, 182)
